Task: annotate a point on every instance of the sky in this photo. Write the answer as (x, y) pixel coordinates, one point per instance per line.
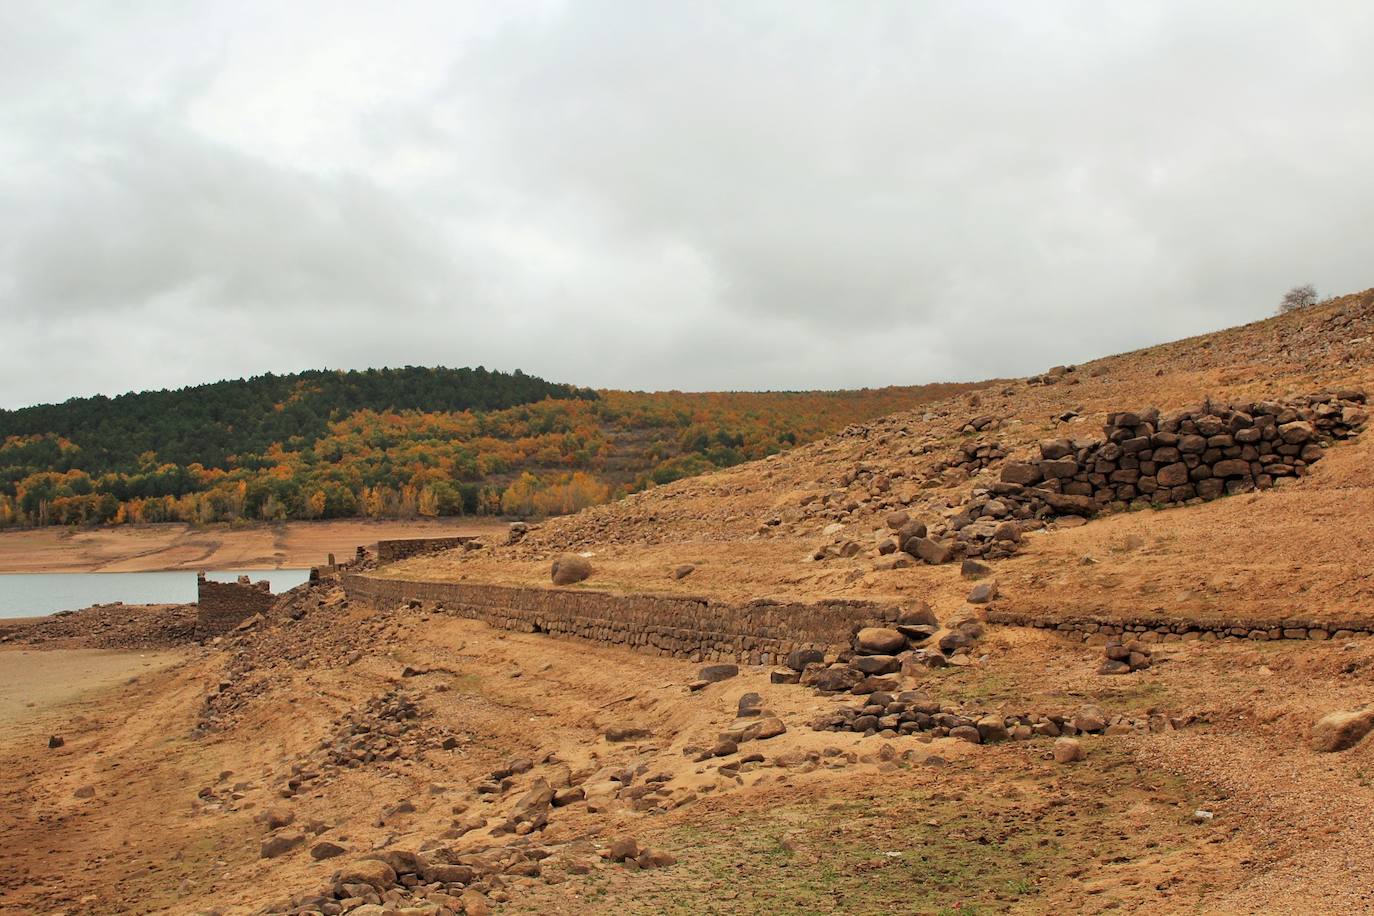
(694, 195)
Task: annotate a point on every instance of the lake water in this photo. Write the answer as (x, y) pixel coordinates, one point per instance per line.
(31, 594)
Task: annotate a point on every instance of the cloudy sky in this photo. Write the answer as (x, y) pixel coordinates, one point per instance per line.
(643, 194)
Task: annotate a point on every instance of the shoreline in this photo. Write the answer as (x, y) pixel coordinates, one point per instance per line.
(179, 547)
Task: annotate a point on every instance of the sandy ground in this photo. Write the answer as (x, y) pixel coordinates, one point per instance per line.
(145, 548)
(38, 686)
(170, 826)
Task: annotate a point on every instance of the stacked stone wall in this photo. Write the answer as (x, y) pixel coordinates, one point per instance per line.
(1156, 460)
(403, 548)
(757, 632)
(1158, 628)
(221, 606)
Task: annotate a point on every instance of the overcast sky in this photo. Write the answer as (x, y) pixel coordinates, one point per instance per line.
(640, 194)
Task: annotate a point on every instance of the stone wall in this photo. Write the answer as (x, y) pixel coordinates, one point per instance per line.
(1149, 459)
(402, 548)
(1156, 628)
(758, 632)
(1202, 453)
(221, 606)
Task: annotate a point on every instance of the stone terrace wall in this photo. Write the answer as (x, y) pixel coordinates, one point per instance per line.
(402, 548)
(1157, 460)
(1150, 629)
(700, 629)
(221, 606)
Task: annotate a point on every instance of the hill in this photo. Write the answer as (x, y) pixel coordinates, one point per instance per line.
(390, 443)
(1133, 704)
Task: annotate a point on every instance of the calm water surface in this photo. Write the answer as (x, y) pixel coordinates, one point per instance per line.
(30, 594)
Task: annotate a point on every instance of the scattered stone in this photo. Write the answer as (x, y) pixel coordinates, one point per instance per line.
(1068, 750)
(982, 593)
(626, 733)
(281, 843)
(798, 659)
(972, 569)
(880, 641)
(622, 848)
(1340, 731)
(326, 850)
(712, 674)
(372, 872)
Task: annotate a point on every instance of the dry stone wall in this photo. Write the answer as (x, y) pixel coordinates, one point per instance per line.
(221, 606)
(1166, 629)
(1149, 459)
(402, 548)
(758, 632)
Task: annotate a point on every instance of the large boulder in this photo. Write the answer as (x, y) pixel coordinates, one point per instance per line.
(570, 568)
(879, 641)
(1340, 731)
(1022, 472)
(918, 613)
(931, 551)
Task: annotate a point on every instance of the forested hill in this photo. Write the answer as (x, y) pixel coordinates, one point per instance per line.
(392, 443)
(210, 424)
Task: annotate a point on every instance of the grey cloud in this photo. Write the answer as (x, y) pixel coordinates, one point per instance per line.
(657, 195)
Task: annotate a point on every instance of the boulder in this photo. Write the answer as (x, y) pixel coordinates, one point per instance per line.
(622, 848)
(930, 551)
(798, 659)
(918, 614)
(1067, 750)
(1089, 719)
(836, 679)
(712, 674)
(876, 664)
(372, 872)
(1340, 731)
(683, 571)
(570, 568)
(1053, 449)
(281, 843)
(972, 569)
(1022, 472)
(649, 857)
(879, 641)
(982, 593)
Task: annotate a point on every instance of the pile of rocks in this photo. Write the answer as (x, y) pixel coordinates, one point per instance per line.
(915, 641)
(1123, 658)
(1150, 459)
(980, 423)
(109, 626)
(1199, 453)
(910, 712)
(970, 458)
(379, 731)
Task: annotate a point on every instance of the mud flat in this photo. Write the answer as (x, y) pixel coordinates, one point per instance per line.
(147, 548)
(36, 684)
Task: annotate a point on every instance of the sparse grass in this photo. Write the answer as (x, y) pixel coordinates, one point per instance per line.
(910, 844)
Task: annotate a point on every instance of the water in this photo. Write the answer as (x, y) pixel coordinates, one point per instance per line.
(32, 594)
